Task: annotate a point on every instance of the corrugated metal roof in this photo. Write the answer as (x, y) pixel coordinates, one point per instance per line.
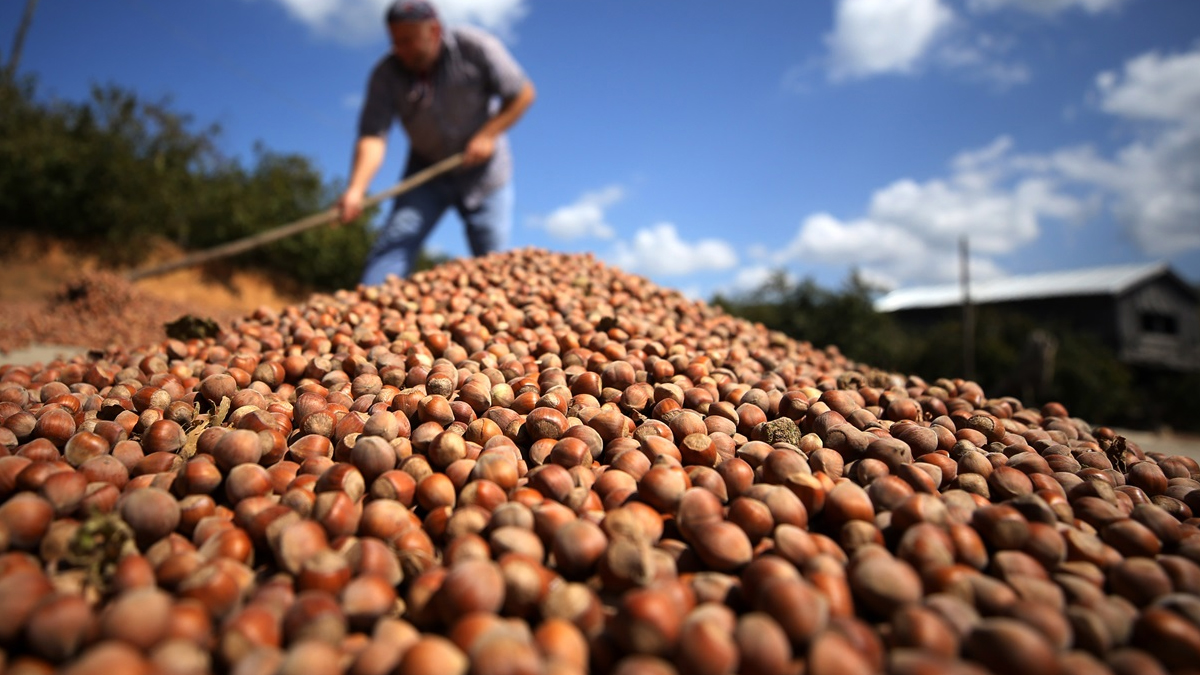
(1094, 281)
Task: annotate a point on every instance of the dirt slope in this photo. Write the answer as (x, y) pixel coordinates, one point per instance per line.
(53, 293)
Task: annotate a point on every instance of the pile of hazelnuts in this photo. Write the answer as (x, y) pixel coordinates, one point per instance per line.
(535, 463)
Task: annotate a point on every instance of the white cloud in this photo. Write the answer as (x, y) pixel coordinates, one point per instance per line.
(658, 251)
(1154, 87)
(890, 37)
(884, 253)
(750, 278)
(877, 280)
(824, 238)
(911, 229)
(1153, 185)
(361, 21)
(969, 161)
(1000, 199)
(497, 15)
(755, 278)
(584, 217)
(760, 252)
(1154, 181)
(873, 37)
(981, 199)
(1046, 7)
(997, 218)
(985, 58)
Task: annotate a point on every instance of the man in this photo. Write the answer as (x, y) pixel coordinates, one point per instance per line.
(454, 89)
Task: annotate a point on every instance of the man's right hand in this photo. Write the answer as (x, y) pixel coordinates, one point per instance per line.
(350, 206)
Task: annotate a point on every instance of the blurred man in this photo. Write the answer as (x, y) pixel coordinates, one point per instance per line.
(454, 89)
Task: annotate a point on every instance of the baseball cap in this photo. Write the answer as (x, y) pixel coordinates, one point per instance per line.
(411, 10)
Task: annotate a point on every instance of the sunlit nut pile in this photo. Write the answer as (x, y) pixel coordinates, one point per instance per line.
(533, 463)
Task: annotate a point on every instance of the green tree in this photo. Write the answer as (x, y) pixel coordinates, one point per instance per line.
(110, 169)
(123, 173)
(844, 318)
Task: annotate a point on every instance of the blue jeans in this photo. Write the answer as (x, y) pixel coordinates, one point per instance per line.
(413, 216)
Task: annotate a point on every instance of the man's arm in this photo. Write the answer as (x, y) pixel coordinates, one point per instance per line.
(481, 146)
(368, 157)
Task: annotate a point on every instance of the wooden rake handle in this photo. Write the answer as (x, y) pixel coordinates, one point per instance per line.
(307, 223)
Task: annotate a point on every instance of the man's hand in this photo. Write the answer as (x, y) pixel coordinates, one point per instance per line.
(350, 206)
(482, 145)
(368, 156)
(479, 149)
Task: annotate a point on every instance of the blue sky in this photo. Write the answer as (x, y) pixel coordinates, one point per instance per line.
(704, 144)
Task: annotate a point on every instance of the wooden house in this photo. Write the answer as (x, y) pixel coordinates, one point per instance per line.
(1146, 313)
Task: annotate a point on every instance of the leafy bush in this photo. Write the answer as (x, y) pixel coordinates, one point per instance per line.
(120, 174)
(823, 317)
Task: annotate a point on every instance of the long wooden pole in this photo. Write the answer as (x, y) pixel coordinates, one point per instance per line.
(968, 319)
(10, 69)
(295, 227)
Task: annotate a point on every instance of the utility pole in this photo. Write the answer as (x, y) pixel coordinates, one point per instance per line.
(968, 318)
(10, 70)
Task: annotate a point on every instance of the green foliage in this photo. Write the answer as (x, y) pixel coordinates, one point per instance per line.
(806, 311)
(1170, 398)
(121, 173)
(111, 169)
(428, 261)
(280, 189)
(1087, 377)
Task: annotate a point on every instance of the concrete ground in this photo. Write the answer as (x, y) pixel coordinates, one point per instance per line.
(39, 354)
(1165, 442)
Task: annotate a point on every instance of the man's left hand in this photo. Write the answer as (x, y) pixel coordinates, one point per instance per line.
(479, 150)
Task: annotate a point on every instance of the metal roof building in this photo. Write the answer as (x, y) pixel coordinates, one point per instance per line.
(1094, 281)
(1146, 313)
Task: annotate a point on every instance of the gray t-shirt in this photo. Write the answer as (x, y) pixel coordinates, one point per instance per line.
(441, 111)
